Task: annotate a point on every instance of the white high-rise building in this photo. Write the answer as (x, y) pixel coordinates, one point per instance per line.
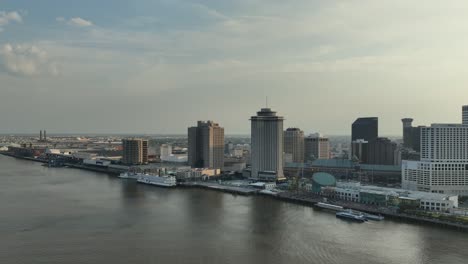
(267, 145)
(444, 161)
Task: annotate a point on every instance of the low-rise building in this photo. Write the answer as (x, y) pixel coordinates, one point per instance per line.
(355, 192)
(197, 173)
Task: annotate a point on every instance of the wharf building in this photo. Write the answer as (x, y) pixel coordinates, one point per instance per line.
(206, 145)
(443, 167)
(382, 196)
(267, 146)
(294, 144)
(316, 146)
(135, 151)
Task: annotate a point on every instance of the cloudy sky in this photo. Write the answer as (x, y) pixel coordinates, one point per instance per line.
(158, 66)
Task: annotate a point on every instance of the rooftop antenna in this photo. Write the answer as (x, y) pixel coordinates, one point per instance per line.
(267, 102)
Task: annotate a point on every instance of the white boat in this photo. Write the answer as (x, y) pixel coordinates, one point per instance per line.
(129, 175)
(163, 181)
(330, 206)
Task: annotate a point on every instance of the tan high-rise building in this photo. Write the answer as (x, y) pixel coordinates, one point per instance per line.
(316, 147)
(267, 145)
(135, 151)
(206, 145)
(294, 144)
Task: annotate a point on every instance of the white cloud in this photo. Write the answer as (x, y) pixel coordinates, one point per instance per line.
(75, 21)
(7, 18)
(79, 22)
(27, 60)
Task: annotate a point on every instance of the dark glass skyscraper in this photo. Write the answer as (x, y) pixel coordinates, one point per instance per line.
(366, 128)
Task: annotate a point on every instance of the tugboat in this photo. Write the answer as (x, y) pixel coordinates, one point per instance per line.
(352, 216)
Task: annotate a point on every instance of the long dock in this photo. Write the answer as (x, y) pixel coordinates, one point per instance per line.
(219, 187)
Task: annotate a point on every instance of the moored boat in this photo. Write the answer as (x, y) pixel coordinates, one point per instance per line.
(350, 215)
(162, 181)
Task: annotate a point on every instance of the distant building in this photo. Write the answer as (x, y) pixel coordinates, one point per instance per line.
(465, 115)
(411, 135)
(197, 173)
(444, 161)
(166, 151)
(359, 151)
(267, 145)
(366, 128)
(316, 147)
(229, 148)
(206, 145)
(294, 144)
(381, 151)
(135, 151)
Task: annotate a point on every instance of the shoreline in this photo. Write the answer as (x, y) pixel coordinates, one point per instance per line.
(286, 197)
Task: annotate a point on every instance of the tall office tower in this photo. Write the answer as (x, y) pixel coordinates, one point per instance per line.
(45, 136)
(443, 167)
(381, 151)
(407, 132)
(316, 147)
(465, 115)
(359, 150)
(366, 128)
(40, 135)
(165, 151)
(294, 144)
(206, 145)
(135, 151)
(267, 145)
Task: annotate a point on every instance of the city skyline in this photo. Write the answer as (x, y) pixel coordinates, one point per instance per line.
(142, 63)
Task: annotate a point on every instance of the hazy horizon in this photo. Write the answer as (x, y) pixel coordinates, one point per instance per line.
(156, 67)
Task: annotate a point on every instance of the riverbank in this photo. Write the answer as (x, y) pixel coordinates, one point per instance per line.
(286, 196)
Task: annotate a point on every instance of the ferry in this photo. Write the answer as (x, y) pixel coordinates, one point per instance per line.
(162, 181)
(350, 215)
(330, 206)
(129, 175)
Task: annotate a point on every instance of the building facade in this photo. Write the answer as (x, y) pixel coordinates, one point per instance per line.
(316, 147)
(381, 151)
(294, 144)
(359, 150)
(206, 145)
(135, 151)
(444, 161)
(267, 145)
(355, 192)
(465, 115)
(411, 135)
